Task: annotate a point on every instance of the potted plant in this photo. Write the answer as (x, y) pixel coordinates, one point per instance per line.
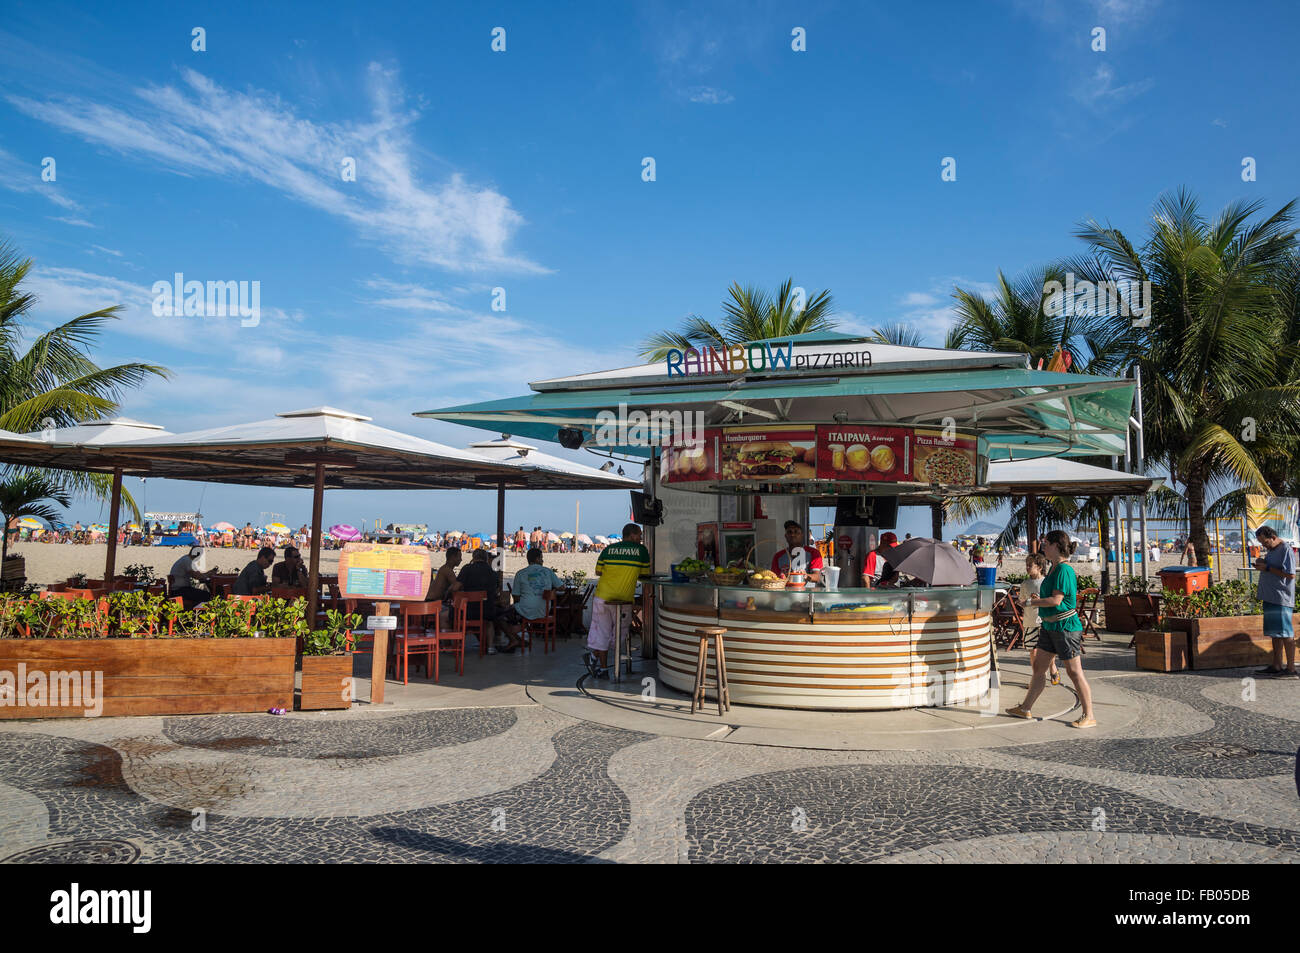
(327, 663)
(1222, 624)
(139, 670)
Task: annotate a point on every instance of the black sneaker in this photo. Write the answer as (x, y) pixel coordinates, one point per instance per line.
(1270, 670)
(1287, 673)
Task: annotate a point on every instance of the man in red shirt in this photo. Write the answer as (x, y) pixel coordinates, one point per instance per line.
(797, 553)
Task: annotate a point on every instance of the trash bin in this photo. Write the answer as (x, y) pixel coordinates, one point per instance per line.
(986, 575)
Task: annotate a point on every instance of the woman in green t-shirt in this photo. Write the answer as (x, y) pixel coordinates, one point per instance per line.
(1062, 632)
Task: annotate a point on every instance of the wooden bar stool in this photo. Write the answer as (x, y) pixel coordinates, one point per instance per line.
(618, 605)
(702, 681)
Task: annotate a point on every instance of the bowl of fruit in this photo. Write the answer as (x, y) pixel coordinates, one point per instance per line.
(696, 570)
(766, 579)
(728, 576)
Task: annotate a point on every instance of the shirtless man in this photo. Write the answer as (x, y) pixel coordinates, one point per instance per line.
(444, 581)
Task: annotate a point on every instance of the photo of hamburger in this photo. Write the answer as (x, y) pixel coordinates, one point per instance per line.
(766, 458)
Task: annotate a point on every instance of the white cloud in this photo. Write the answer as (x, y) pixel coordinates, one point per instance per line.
(199, 127)
(24, 177)
(1100, 92)
(707, 94)
(79, 222)
(408, 297)
(108, 251)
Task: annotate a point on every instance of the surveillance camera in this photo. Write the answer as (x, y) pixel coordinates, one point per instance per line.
(569, 438)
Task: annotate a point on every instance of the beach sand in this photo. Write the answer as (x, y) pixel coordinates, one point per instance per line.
(54, 562)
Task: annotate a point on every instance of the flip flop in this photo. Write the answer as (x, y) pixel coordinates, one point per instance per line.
(1084, 723)
(1018, 712)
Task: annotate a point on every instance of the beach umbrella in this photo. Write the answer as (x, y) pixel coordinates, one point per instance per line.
(602, 540)
(552, 538)
(615, 538)
(30, 522)
(223, 527)
(934, 563)
(99, 527)
(345, 531)
(584, 539)
(566, 536)
(276, 528)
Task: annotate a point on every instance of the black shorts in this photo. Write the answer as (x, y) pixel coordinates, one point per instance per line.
(1064, 645)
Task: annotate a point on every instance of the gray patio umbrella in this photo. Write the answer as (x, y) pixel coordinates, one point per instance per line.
(933, 562)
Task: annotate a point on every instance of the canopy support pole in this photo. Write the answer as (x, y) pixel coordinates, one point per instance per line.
(501, 537)
(313, 569)
(1141, 467)
(1031, 521)
(110, 561)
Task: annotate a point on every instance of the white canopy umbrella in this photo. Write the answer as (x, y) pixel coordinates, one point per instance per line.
(68, 446)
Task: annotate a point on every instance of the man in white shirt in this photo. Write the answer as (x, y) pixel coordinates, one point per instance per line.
(181, 576)
(531, 585)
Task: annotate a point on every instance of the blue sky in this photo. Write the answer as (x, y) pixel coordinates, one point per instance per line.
(522, 169)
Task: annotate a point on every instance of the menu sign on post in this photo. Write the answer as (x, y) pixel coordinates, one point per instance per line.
(377, 571)
(864, 453)
(769, 454)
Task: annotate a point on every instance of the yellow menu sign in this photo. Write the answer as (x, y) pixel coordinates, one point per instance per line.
(380, 571)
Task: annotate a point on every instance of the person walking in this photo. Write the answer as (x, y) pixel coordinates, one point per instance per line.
(1277, 592)
(1062, 630)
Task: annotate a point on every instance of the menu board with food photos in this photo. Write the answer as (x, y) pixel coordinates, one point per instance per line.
(691, 464)
(768, 454)
(940, 457)
(865, 453)
(846, 453)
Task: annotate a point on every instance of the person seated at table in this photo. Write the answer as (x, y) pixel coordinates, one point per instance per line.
(182, 575)
(479, 576)
(252, 581)
(530, 586)
(444, 583)
(290, 571)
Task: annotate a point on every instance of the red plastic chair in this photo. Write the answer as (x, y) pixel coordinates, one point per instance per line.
(478, 626)
(546, 626)
(419, 645)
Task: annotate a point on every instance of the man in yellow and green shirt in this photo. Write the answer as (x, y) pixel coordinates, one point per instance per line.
(620, 567)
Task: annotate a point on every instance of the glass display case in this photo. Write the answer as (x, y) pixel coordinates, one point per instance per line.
(749, 599)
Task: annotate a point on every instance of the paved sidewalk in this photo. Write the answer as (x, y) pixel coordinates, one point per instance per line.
(523, 760)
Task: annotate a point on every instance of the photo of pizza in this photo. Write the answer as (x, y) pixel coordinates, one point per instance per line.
(945, 465)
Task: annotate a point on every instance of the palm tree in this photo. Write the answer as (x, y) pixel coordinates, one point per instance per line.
(899, 333)
(1218, 357)
(24, 494)
(54, 380)
(1026, 315)
(749, 315)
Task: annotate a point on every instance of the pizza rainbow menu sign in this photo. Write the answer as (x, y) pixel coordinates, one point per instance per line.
(826, 452)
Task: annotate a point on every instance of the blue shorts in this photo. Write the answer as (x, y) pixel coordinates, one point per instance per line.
(1277, 621)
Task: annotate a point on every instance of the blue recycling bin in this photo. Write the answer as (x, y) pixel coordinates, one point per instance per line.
(986, 575)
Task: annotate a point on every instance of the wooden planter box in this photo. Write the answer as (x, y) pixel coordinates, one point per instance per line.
(149, 676)
(325, 679)
(1162, 651)
(1119, 612)
(1228, 642)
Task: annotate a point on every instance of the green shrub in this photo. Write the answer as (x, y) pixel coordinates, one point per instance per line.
(1233, 597)
(332, 639)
